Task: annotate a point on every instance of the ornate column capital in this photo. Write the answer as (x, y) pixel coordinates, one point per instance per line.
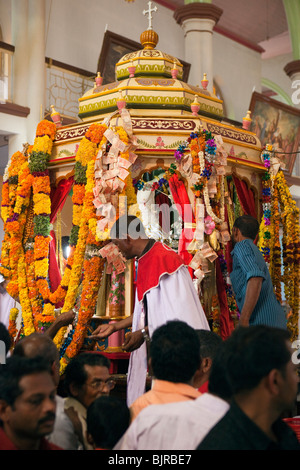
(292, 68)
(197, 10)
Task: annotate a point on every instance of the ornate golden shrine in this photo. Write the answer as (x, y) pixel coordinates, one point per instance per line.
(149, 113)
(163, 111)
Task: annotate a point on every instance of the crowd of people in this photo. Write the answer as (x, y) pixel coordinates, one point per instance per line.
(250, 383)
(206, 393)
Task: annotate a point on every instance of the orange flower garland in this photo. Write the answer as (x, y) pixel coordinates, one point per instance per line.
(89, 266)
(290, 250)
(38, 165)
(14, 220)
(31, 264)
(15, 229)
(12, 327)
(24, 297)
(275, 250)
(281, 211)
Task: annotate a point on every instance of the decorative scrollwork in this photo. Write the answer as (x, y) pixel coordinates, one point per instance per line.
(232, 134)
(163, 124)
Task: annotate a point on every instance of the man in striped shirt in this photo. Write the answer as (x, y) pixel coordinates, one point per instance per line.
(251, 280)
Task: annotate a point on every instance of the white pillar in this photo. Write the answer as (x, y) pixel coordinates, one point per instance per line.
(19, 18)
(36, 65)
(197, 21)
(198, 49)
(20, 60)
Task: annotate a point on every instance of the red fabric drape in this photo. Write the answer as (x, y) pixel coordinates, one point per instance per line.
(58, 197)
(226, 322)
(245, 196)
(183, 205)
(164, 211)
(228, 247)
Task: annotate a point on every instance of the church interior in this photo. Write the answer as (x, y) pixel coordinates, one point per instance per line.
(183, 113)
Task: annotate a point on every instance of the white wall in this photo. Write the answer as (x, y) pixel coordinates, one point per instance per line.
(5, 20)
(237, 71)
(76, 28)
(273, 69)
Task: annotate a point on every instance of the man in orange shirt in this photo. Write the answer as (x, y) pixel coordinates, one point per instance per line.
(174, 359)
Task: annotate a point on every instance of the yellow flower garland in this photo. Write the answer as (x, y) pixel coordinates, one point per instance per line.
(90, 143)
(12, 328)
(14, 205)
(32, 264)
(291, 250)
(86, 153)
(281, 210)
(38, 165)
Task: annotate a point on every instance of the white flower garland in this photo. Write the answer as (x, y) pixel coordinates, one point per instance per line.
(216, 219)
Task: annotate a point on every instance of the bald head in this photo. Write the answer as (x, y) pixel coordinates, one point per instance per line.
(38, 344)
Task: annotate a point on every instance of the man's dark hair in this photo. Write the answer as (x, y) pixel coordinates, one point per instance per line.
(218, 383)
(175, 352)
(248, 226)
(15, 369)
(108, 418)
(5, 337)
(250, 353)
(76, 373)
(127, 225)
(209, 343)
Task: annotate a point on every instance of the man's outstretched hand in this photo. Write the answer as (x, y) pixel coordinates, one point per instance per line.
(103, 331)
(64, 319)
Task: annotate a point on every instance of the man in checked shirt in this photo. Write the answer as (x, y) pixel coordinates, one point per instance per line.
(251, 280)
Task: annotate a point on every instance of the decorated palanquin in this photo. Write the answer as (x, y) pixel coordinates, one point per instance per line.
(154, 146)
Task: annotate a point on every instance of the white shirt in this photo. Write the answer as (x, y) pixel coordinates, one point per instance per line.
(174, 426)
(63, 434)
(6, 304)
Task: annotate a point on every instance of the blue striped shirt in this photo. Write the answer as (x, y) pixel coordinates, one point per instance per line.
(249, 262)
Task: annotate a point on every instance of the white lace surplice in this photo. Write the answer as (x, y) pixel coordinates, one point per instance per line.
(175, 298)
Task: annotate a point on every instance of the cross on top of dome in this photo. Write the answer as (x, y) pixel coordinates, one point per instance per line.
(149, 13)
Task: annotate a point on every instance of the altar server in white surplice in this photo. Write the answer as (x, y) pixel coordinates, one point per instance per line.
(164, 292)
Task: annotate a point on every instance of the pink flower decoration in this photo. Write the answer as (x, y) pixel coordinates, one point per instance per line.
(209, 225)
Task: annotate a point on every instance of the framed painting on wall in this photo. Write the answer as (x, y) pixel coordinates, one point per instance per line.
(114, 47)
(277, 124)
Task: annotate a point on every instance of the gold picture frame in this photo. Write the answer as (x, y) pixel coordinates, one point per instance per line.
(277, 124)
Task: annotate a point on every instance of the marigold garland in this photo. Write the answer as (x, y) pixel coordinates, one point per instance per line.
(13, 212)
(279, 210)
(275, 250)
(84, 265)
(12, 249)
(42, 206)
(31, 263)
(38, 166)
(264, 229)
(290, 250)
(24, 298)
(12, 327)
